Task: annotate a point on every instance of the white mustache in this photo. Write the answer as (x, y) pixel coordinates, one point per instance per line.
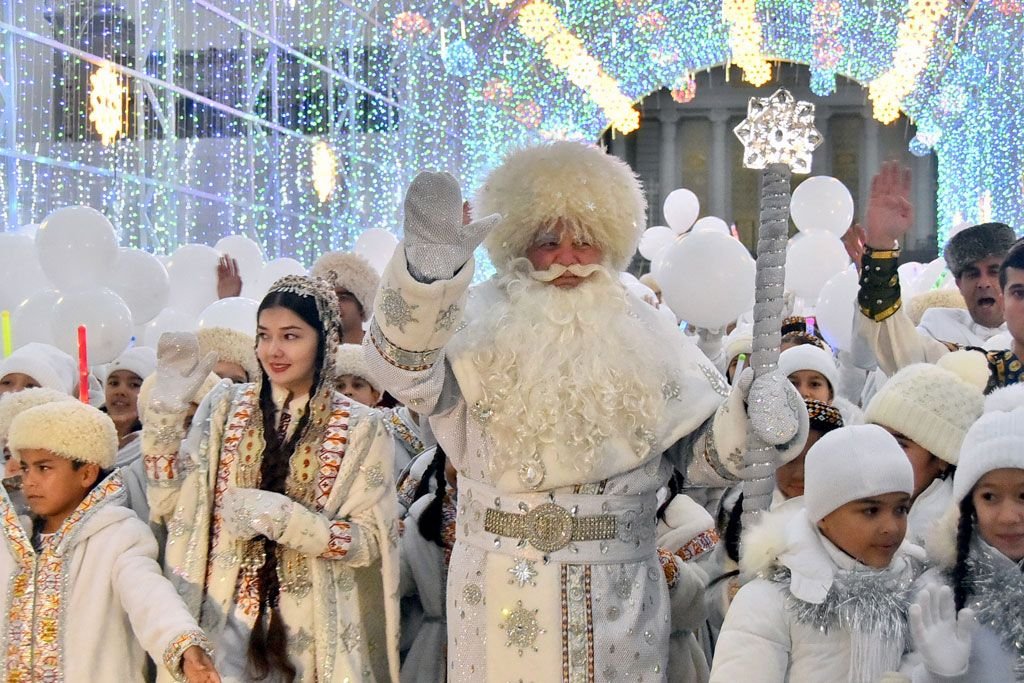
(557, 270)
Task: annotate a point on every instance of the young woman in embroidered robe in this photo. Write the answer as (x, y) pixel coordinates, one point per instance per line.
(279, 502)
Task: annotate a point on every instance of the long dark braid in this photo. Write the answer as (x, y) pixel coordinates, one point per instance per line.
(432, 517)
(731, 539)
(268, 646)
(964, 531)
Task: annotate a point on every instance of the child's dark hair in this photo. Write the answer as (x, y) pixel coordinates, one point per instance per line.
(432, 518)
(964, 531)
(268, 643)
(675, 487)
(38, 522)
(731, 538)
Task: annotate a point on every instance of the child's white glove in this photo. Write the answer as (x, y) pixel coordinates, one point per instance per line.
(249, 513)
(941, 636)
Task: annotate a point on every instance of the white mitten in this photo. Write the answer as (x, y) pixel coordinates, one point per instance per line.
(248, 513)
(437, 243)
(941, 636)
(774, 406)
(179, 372)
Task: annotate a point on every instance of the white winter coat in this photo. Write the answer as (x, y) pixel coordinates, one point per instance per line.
(98, 589)
(762, 640)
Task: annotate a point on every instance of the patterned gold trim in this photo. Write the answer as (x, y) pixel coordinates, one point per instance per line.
(414, 361)
(577, 625)
(879, 316)
(175, 651)
(882, 253)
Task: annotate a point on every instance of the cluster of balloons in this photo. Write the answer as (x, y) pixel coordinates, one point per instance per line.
(69, 271)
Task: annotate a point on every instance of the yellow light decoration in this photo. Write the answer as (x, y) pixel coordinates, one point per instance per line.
(538, 20)
(745, 40)
(325, 169)
(106, 103)
(583, 70)
(561, 48)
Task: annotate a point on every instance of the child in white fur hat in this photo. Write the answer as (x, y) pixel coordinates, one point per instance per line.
(929, 408)
(833, 582)
(966, 621)
(86, 593)
(236, 353)
(355, 283)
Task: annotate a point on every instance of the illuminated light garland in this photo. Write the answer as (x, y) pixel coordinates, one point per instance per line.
(913, 47)
(826, 24)
(652, 21)
(684, 89)
(325, 170)
(745, 40)
(106, 103)
(459, 59)
(410, 25)
(1009, 8)
(537, 20)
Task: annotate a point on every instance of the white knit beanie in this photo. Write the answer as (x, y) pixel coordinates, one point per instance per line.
(349, 360)
(994, 442)
(138, 360)
(47, 365)
(231, 346)
(933, 405)
(808, 357)
(69, 429)
(851, 463)
(13, 404)
(349, 271)
(740, 340)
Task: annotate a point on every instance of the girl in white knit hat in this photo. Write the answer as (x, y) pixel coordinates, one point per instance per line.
(815, 374)
(37, 365)
(929, 408)
(86, 597)
(966, 622)
(833, 583)
(279, 501)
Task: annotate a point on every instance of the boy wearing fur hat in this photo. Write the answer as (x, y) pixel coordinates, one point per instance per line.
(560, 432)
(973, 256)
(355, 282)
(86, 593)
(833, 580)
(236, 355)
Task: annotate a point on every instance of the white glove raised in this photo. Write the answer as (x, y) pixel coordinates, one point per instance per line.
(774, 406)
(941, 635)
(248, 513)
(179, 372)
(437, 243)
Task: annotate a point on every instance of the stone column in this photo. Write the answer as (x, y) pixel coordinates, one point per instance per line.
(869, 163)
(719, 185)
(821, 163)
(668, 170)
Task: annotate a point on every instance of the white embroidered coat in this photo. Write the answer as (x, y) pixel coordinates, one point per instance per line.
(587, 612)
(82, 609)
(340, 605)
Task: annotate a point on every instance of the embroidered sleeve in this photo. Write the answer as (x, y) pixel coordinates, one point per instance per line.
(698, 545)
(161, 440)
(339, 541)
(668, 567)
(177, 648)
(879, 295)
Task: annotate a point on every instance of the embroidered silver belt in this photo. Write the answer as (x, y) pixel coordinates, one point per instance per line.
(562, 527)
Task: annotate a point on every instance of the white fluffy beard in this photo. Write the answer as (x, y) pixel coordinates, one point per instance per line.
(564, 368)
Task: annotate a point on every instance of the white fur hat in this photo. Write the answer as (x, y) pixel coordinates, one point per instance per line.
(851, 463)
(47, 365)
(933, 405)
(809, 357)
(533, 187)
(139, 360)
(70, 429)
(350, 271)
(995, 441)
(740, 340)
(13, 404)
(349, 360)
(231, 346)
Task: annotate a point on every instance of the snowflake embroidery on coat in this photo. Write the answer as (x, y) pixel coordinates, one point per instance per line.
(397, 311)
(446, 318)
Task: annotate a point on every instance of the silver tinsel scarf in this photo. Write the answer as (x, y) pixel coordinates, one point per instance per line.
(996, 594)
(870, 605)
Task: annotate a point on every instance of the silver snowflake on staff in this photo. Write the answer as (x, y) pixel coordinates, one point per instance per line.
(778, 130)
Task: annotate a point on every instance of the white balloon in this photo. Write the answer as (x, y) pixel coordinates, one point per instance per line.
(142, 281)
(812, 261)
(377, 246)
(275, 270)
(168, 320)
(235, 313)
(32, 321)
(20, 274)
(707, 279)
(28, 230)
(655, 240)
(681, 209)
(77, 247)
(836, 308)
(107, 320)
(192, 270)
(712, 223)
(249, 256)
(934, 275)
(822, 203)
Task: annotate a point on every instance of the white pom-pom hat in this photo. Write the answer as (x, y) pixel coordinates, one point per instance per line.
(68, 429)
(994, 442)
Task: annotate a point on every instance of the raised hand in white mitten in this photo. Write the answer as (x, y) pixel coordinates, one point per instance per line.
(179, 372)
(437, 243)
(941, 635)
(774, 407)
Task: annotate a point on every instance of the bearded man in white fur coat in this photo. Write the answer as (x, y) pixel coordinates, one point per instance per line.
(563, 402)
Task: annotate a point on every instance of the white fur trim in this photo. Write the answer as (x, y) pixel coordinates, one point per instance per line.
(1005, 399)
(941, 539)
(69, 429)
(936, 298)
(231, 346)
(349, 359)
(533, 187)
(12, 405)
(970, 366)
(763, 543)
(351, 271)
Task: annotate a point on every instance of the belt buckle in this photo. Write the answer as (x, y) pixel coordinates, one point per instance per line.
(549, 527)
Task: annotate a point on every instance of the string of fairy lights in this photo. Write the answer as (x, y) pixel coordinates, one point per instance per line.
(300, 123)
